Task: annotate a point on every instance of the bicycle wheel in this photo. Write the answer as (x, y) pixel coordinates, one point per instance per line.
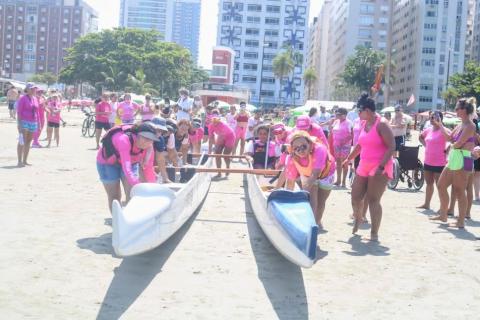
(418, 176)
(91, 128)
(85, 127)
(392, 184)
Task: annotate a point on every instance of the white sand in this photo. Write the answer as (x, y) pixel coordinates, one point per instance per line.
(56, 257)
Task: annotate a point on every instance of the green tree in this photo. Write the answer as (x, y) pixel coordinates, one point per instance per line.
(467, 83)
(450, 96)
(283, 65)
(139, 85)
(345, 92)
(310, 77)
(45, 77)
(361, 68)
(105, 60)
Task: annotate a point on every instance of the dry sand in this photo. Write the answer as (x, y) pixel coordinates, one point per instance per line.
(57, 262)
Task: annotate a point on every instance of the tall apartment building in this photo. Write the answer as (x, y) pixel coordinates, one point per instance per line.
(476, 32)
(177, 20)
(428, 46)
(469, 32)
(35, 34)
(257, 31)
(346, 25)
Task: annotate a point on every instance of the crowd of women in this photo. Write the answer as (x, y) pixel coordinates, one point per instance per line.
(315, 154)
(35, 110)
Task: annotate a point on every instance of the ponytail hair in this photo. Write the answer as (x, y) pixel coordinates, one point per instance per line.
(365, 102)
(469, 104)
(312, 112)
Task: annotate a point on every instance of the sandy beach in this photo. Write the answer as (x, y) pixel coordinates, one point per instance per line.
(57, 261)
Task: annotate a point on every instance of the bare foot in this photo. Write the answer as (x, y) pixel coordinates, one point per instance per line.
(219, 175)
(372, 238)
(456, 225)
(356, 225)
(424, 206)
(20, 165)
(439, 218)
(25, 163)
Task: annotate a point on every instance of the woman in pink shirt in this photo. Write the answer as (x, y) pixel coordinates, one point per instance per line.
(195, 135)
(41, 118)
(53, 119)
(125, 151)
(147, 111)
(127, 110)
(376, 146)
(341, 132)
(220, 134)
(27, 122)
(435, 140)
(102, 117)
(316, 168)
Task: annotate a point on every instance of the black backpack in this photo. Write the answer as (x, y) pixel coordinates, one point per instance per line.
(109, 149)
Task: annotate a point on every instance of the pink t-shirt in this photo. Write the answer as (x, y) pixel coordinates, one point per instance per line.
(27, 109)
(221, 129)
(147, 113)
(103, 106)
(196, 135)
(54, 112)
(341, 131)
(127, 111)
(316, 131)
(435, 145)
(320, 153)
(121, 143)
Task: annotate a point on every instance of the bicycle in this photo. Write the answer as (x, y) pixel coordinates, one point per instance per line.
(407, 167)
(88, 126)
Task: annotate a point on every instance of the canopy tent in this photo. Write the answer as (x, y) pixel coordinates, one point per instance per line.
(249, 107)
(387, 109)
(220, 104)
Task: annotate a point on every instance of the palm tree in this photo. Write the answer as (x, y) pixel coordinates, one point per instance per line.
(283, 65)
(310, 77)
(138, 84)
(113, 79)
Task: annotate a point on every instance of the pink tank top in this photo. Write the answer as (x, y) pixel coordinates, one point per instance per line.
(372, 146)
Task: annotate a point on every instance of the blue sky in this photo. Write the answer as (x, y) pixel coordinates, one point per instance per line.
(109, 11)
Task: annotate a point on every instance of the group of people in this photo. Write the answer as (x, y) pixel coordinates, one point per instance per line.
(34, 110)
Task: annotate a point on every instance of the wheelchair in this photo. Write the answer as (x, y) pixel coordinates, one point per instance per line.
(407, 168)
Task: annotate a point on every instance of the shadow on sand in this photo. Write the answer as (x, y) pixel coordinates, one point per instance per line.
(364, 248)
(282, 280)
(135, 273)
(462, 234)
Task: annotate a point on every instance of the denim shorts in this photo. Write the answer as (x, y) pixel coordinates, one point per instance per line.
(29, 126)
(111, 173)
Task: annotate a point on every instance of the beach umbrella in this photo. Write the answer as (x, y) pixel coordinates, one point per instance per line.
(221, 104)
(251, 107)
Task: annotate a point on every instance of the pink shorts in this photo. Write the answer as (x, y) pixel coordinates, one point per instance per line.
(240, 132)
(227, 142)
(367, 169)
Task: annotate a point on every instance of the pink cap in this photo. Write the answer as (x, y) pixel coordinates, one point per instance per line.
(278, 128)
(303, 123)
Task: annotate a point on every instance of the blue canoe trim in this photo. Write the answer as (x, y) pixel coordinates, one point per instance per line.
(293, 212)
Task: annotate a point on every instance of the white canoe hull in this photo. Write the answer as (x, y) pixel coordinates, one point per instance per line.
(274, 231)
(154, 213)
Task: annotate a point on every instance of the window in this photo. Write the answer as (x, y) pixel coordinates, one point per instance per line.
(219, 71)
(365, 33)
(271, 44)
(251, 43)
(252, 31)
(366, 20)
(254, 7)
(267, 93)
(250, 66)
(249, 79)
(383, 20)
(271, 33)
(273, 9)
(253, 19)
(274, 21)
(367, 8)
(269, 56)
(268, 80)
(250, 55)
(428, 50)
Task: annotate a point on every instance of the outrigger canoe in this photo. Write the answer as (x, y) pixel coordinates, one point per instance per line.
(156, 211)
(286, 218)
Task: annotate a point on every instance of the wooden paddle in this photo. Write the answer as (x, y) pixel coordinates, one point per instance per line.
(263, 172)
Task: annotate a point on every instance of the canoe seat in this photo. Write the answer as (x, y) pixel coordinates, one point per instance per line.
(289, 196)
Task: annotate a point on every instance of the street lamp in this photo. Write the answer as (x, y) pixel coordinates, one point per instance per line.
(448, 68)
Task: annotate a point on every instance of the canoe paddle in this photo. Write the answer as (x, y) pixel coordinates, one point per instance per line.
(263, 172)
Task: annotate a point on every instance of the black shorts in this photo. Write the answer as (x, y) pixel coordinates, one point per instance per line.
(102, 125)
(53, 124)
(476, 164)
(160, 145)
(434, 169)
(205, 131)
(11, 105)
(325, 132)
(399, 141)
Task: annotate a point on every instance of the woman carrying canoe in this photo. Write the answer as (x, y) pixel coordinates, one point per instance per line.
(223, 137)
(241, 119)
(304, 123)
(256, 149)
(376, 147)
(124, 149)
(315, 166)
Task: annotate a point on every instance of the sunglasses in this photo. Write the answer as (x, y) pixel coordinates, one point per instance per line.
(301, 148)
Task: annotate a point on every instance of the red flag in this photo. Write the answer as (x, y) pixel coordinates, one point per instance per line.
(411, 100)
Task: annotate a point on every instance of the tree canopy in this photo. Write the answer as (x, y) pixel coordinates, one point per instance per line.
(466, 84)
(114, 59)
(45, 77)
